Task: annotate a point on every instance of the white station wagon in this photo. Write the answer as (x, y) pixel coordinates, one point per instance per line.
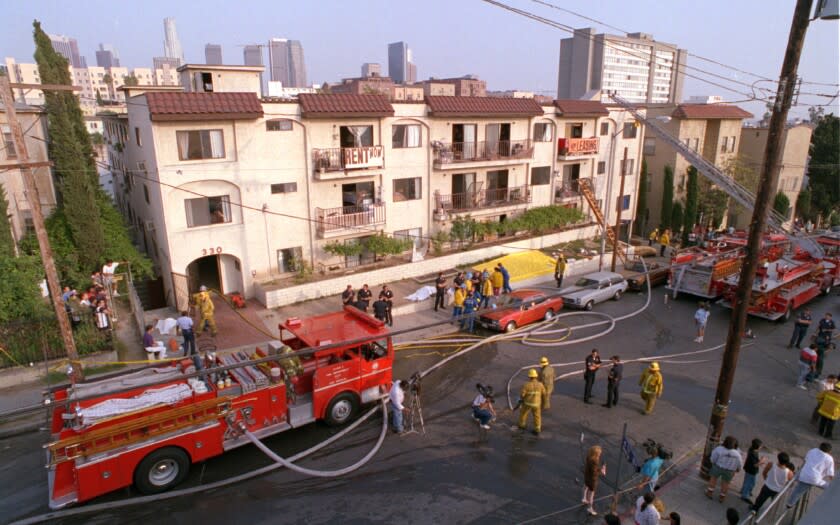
(594, 288)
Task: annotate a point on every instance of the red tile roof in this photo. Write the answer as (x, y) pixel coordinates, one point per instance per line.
(483, 107)
(710, 111)
(203, 106)
(581, 108)
(324, 105)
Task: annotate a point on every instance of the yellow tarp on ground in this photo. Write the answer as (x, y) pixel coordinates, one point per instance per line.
(522, 265)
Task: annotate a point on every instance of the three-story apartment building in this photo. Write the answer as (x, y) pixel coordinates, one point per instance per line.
(228, 190)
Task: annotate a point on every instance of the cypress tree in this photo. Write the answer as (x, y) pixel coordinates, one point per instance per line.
(72, 154)
(641, 201)
(667, 198)
(7, 243)
(676, 218)
(692, 197)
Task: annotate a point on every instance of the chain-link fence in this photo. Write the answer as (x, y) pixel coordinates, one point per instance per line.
(26, 341)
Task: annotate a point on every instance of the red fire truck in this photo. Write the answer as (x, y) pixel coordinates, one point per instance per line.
(145, 428)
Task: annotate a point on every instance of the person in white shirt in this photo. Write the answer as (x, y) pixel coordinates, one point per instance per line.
(396, 398)
(701, 317)
(726, 461)
(646, 512)
(108, 270)
(776, 476)
(817, 471)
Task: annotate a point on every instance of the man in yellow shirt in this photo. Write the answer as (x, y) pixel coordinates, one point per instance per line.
(531, 397)
(829, 410)
(498, 281)
(458, 301)
(651, 383)
(653, 237)
(560, 269)
(206, 308)
(664, 241)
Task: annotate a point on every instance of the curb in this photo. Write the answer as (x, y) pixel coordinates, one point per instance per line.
(17, 430)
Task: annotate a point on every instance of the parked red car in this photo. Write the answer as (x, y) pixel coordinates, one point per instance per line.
(520, 308)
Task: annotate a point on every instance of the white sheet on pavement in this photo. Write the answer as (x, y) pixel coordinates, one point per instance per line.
(422, 294)
(164, 326)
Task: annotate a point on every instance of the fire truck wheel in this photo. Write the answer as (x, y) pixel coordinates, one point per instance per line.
(161, 470)
(788, 313)
(341, 409)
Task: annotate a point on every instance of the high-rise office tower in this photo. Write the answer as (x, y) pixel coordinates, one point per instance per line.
(252, 55)
(171, 44)
(401, 68)
(107, 56)
(286, 63)
(634, 66)
(68, 48)
(213, 54)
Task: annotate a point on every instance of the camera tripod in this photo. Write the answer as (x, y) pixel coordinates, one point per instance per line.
(415, 413)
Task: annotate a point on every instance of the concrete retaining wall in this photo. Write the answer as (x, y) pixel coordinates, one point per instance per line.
(273, 296)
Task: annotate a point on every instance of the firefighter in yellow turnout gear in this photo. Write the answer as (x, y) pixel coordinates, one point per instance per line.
(547, 379)
(532, 397)
(205, 309)
(651, 383)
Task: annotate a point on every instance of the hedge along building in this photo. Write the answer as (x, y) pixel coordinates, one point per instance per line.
(228, 190)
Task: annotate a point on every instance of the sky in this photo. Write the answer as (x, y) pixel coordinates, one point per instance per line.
(450, 37)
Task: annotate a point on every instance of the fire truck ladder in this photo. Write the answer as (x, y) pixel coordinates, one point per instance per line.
(125, 433)
(589, 195)
(742, 196)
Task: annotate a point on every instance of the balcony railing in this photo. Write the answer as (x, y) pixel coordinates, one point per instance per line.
(339, 159)
(570, 189)
(476, 200)
(332, 220)
(577, 147)
(453, 152)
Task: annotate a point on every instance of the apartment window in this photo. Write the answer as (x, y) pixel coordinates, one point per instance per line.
(356, 136)
(605, 128)
(280, 124)
(405, 136)
(540, 175)
(28, 225)
(208, 210)
(542, 132)
(630, 130)
(650, 146)
(407, 189)
(731, 144)
(575, 131)
(201, 144)
(8, 142)
(286, 187)
(627, 169)
(695, 144)
(207, 82)
(625, 202)
(289, 259)
(137, 136)
(602, 167)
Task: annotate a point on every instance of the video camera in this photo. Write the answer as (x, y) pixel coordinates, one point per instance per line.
(485, 390)
(657, 449)
(414, 383)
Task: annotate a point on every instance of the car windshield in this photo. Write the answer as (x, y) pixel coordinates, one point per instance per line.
(508, 301)
(635, 266)
(583, 282)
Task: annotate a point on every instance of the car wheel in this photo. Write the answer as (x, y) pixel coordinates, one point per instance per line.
(161, 470)
(510, 327)
(341, 409)
(589, 306)
(617, 295)
(549, 315)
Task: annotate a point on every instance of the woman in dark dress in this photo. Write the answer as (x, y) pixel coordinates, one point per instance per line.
(591, 472)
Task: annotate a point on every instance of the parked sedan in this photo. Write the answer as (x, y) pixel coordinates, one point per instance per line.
(594, 288)
(636, 277)
(520, 308)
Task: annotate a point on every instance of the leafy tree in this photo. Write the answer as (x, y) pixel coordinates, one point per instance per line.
(97, 139)
(667, 198)
(692, 197)
(7, 242)
(382, 244)
(130, 80)
(20, 295)
(781, 204)
(342, 249)
(641, 200)
(72, 154)
(676, 218)
(824, 167)
(712, 203)
(803, 204)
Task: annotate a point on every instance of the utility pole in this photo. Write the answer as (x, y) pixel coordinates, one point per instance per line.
(618, 205)
(25, 166)
(763, 198)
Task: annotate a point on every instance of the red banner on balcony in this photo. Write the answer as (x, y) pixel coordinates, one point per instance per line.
(578, 146)
(364, 157)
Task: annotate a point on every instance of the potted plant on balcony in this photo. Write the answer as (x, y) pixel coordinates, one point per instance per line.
(443, 151)
(382, 245)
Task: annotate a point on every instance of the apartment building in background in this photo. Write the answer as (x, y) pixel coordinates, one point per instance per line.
(713, 130)
(213, 54)
(793, 163)
(229, 190)
(465, 86)
(634, 66)
(286, 62)
(33, 119)
(68, 48)
(371, 69)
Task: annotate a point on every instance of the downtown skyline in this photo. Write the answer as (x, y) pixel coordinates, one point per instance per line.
(505, 49)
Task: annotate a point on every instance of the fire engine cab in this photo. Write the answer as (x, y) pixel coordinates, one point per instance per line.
(147, 427)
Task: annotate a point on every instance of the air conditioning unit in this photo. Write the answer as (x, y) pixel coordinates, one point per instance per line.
(149, 225)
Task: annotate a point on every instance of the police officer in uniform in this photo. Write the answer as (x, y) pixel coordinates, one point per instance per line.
(388, 296)
(531, 398)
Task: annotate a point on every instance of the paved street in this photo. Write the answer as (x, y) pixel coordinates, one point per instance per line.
(457, 473)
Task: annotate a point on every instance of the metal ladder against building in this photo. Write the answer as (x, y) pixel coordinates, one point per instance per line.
(140, 429)
(742, 196)
(589, 195)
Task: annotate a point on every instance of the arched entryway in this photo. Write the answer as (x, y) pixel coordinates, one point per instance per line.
(222, 272)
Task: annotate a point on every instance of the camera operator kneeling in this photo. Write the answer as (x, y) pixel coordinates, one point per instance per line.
(482, 406)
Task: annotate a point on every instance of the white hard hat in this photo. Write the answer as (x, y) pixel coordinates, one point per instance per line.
(202, 289)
